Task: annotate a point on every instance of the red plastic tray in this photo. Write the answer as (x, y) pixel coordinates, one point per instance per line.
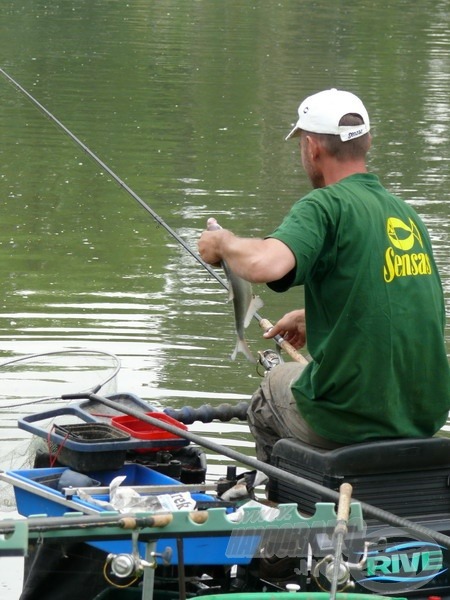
(145, 431)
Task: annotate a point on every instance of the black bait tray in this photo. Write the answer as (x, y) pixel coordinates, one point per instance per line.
(89, 444)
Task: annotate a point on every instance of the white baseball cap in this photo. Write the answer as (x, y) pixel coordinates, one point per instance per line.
(321, 113)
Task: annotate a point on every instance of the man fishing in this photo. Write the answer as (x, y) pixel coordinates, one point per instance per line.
(374, 308)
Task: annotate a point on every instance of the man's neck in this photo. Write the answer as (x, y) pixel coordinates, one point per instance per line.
(335, 170)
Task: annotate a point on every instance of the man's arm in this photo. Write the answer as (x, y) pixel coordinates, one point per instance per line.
(253, 259)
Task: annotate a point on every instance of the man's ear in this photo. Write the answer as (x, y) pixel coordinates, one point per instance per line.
(313, 147)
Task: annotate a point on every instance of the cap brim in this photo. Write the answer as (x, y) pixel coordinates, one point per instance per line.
(295, 132)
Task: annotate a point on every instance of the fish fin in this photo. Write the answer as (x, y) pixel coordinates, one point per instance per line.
(242, 346)
(255, 304)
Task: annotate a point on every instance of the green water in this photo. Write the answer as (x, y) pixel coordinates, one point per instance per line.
(188, 102)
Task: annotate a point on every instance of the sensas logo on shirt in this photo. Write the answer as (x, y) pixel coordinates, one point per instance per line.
(405, 256)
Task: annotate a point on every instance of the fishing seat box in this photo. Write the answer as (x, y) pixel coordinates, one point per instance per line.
(407, 477)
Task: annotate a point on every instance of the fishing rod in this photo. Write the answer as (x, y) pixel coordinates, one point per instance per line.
(116, 178)
(267, 469)
(340, 531)
(264, 323)
(40, 524)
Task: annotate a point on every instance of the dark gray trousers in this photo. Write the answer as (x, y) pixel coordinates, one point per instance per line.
(273, 413)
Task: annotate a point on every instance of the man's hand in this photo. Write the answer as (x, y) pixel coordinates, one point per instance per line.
(291, 327)
(254, 259)
(209, 245)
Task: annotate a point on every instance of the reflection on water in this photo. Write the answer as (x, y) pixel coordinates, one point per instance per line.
(189, 103)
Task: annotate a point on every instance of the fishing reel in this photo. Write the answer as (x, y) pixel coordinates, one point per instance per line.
(330, 563)
(127, 565)
(124, 565)
(132, 565)
(269, 359)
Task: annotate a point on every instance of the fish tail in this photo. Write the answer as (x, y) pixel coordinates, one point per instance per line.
(242, 346)
(255, 304)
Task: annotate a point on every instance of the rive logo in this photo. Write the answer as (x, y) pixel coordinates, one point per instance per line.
(398, 563)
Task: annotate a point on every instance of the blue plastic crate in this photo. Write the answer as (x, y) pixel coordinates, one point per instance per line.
(43, 498)
(29, 502)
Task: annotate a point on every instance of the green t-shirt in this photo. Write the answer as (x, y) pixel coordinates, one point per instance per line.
(375, 314)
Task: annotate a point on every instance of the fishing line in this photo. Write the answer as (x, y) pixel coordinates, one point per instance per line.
(278, 338)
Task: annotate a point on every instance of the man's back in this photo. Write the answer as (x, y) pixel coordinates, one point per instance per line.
(373, 303)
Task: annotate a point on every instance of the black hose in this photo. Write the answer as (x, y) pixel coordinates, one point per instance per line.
(207, 413)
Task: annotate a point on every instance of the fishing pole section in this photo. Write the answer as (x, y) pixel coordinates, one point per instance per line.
(278, 339)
